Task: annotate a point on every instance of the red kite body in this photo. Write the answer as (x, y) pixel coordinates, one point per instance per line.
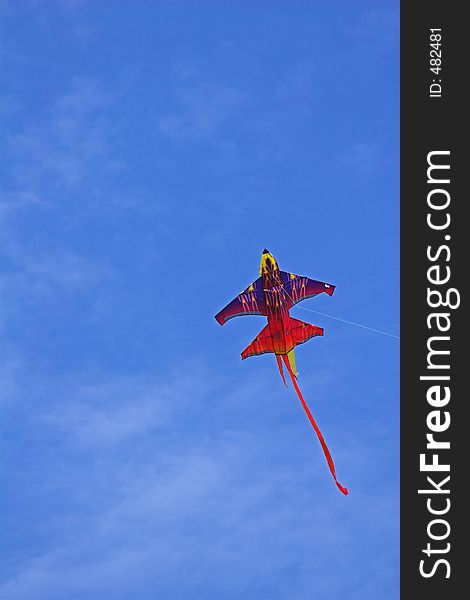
(273, 294)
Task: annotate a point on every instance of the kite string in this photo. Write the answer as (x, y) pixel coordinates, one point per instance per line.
(343, 320)
(351, 323)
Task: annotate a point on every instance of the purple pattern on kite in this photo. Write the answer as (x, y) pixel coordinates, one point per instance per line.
(300, 288)
(249, 302)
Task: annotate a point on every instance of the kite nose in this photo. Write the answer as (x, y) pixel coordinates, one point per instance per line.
(265, 251)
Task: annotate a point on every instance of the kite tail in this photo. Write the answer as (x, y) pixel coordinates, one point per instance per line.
(279, 364)
(315, 426)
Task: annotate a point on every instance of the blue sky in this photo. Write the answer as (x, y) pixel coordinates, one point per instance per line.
(153, 150)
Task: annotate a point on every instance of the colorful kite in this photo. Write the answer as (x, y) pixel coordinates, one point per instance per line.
(273, 294)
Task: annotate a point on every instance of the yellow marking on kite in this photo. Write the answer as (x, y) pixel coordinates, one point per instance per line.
(292, 276)
(291, 357)
(263, 268)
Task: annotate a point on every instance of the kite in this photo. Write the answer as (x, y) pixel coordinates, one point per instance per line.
(272, 295)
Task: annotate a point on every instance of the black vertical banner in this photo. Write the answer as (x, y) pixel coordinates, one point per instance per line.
(434, 252)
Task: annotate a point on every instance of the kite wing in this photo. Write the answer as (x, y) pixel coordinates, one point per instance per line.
(300, 288)
(262, 343)
(249, 302)
(302, 332)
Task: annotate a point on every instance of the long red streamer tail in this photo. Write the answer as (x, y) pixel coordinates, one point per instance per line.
(329, 460)
(279, 364)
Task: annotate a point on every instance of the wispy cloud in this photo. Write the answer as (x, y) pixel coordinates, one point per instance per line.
(74, 134)
(65, 169)
(144, 482)
(362, 160)
(202, 108)
(46, 279)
